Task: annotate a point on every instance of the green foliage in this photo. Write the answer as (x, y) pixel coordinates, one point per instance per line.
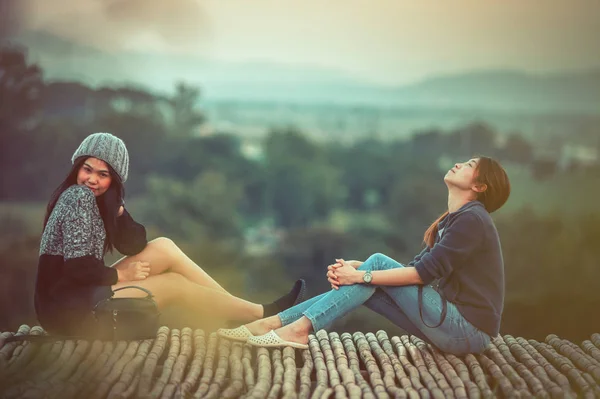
(307, 252)
(204, 207)
(186, 116)
(365, 171)
(186, 157)
(547, 249)
(18, 263)
(301, 183)
(20, 87)
(517, 149)
(568, 194)
(289, 142)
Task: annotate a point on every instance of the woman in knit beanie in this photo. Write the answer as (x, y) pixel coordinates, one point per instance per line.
(85, 218)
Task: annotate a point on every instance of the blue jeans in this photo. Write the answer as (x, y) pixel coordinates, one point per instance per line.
(399, 304)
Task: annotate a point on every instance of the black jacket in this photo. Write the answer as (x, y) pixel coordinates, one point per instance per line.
(71, 275)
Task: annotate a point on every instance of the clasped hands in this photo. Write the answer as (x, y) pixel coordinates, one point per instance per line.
(343, 272)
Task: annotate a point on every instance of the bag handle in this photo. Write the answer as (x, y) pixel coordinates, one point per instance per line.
(444, 309)
(135, 286)
(148, 296)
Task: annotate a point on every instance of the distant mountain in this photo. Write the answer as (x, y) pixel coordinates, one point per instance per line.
(510, 89)
(492, 90)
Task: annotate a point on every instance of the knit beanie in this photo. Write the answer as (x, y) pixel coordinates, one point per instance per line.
(108, 148)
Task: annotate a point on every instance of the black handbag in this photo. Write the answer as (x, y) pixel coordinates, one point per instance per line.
(113, 319)
(127, 318)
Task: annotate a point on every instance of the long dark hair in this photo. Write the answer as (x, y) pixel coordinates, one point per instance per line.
(493, 175)
(108, 203)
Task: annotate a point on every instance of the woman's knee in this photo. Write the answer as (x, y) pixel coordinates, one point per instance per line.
(164, 246)
(379, 261)
(162, 243)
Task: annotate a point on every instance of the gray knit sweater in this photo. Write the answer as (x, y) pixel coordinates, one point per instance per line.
(71, 275)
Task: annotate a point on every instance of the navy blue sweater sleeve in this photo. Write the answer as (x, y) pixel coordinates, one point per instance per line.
(80, 263)
(458, 242)
(131, 236)
(418, 257)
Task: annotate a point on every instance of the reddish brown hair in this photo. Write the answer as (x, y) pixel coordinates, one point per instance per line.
(493, 175)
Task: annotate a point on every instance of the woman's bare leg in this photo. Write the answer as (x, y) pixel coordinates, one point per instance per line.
(173, 288)
(165, 256)
(297, 331)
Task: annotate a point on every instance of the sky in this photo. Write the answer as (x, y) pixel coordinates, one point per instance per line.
(379, 41)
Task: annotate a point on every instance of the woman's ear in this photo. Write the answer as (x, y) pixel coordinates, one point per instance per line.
(479, 187)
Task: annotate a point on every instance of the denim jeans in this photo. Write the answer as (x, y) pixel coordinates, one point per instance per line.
(399, 304)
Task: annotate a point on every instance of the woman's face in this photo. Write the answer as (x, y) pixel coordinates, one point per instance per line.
(94, 174)
(462, 175)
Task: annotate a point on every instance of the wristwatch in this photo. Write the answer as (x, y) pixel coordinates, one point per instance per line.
(367, 277)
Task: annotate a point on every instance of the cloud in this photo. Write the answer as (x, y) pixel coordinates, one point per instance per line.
(391, 41)
(11, 17)
(175, 21)
(118, 24)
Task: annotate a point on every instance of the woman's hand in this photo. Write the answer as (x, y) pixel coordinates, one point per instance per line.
(354, 263)
(133, 271)
(121, 209)
(343, 273)
(331, 277)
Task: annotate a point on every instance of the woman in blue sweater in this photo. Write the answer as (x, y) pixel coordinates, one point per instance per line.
(85, 219)
(462, 254)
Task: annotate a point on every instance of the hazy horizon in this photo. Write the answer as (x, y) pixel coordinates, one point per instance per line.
(386, 43)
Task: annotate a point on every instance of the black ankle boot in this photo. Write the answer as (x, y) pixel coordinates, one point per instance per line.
(294, 297)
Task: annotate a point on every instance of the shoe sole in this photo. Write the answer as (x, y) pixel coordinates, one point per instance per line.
(279, 344)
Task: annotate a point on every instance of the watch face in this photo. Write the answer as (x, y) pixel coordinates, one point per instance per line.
(367, 277)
